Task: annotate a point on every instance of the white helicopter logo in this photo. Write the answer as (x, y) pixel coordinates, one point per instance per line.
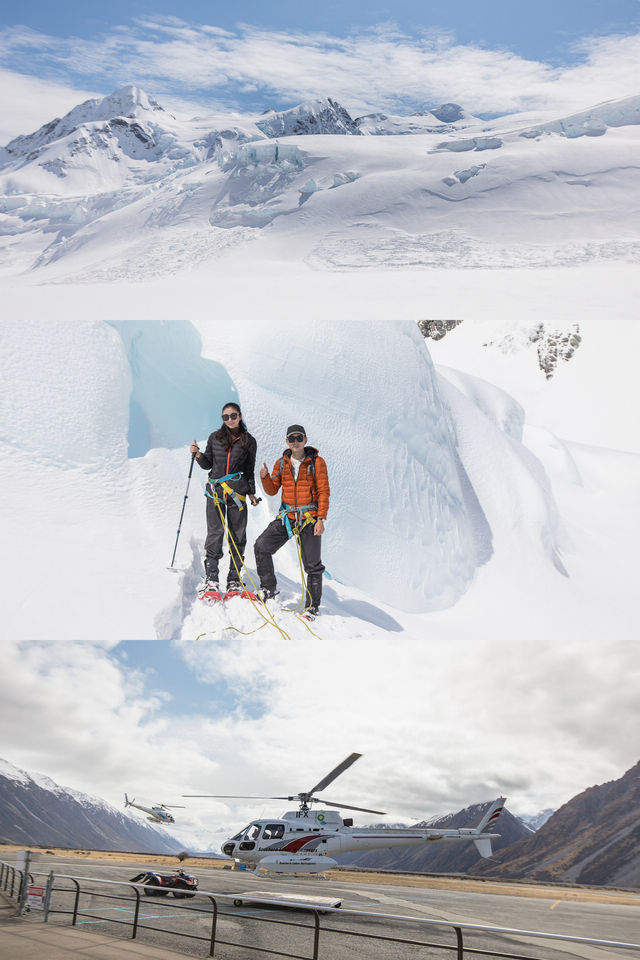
(158, 814)
(304, 841)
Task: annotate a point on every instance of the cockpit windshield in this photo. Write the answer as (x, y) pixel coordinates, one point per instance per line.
(252, 832)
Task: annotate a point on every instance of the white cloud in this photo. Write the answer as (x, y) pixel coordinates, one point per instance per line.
(379, 69)
(29, 102)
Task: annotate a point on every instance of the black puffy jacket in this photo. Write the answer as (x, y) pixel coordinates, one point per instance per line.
(239, 458)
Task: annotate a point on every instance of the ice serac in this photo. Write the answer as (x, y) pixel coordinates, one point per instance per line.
(313, 116)
(593, 122)
(402, 516)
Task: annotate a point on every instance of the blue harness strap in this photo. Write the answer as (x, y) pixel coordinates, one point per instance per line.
(300, 512)
(212, 484)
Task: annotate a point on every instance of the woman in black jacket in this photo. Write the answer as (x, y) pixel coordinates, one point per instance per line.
(230, 457)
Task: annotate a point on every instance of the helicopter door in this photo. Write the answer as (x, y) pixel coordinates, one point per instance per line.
(251, 834)
(273, 831)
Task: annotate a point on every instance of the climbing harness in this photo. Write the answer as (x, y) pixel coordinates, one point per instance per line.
(299, 512)
(302, 518)
(210, 490)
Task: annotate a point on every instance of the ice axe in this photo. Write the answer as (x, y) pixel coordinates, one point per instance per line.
(184, 503)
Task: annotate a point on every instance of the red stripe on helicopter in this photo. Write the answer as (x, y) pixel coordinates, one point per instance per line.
(300, 842)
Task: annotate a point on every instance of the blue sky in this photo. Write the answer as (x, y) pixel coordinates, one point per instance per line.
(543, 30)
(503, 56)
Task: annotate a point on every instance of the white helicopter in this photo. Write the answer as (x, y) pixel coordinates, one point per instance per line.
(158, 814)
(303, 840)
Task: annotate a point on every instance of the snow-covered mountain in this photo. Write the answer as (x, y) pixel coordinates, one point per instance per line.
(312, 117)
(124, 167)
(536, 820)
(36, 810)
(479, 593)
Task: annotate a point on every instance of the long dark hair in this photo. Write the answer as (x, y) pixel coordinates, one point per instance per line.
(226, 436)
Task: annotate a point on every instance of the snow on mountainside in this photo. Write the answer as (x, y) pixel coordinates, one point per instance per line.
(536, 820)
(36, 810)
(129, 102)
(314, 116)
(203, 188)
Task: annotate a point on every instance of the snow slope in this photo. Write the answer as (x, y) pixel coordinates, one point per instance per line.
(479, 604)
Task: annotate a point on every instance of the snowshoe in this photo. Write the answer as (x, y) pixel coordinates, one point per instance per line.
(266, 594)
(209, 592)
(312, 613)
(236, 589)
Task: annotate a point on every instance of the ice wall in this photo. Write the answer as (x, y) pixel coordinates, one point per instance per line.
(175, 392)
(399, 525)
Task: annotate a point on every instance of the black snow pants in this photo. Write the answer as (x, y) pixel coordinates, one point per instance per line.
(237, 523)
(270, 541)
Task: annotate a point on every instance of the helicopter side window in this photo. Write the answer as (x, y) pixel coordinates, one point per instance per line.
(255, 832)
(273, 831)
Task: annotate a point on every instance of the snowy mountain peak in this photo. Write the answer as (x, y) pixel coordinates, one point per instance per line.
(129, 101)
(312, 116)
(449, 112)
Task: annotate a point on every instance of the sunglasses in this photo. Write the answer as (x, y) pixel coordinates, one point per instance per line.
(295, 438)
(230, 416)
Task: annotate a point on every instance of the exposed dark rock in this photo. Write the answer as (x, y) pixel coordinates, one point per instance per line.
(436, 329)
(554, 345)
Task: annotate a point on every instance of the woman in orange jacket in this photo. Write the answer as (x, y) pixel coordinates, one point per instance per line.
(301, 475)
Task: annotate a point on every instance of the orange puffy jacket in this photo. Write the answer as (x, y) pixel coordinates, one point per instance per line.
(307, 489)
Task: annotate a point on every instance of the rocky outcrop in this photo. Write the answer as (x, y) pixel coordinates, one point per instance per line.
(555, 345)
(552, 345)
(436, 329)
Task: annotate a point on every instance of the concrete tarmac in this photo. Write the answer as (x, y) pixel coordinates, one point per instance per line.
(26, 938)
(103, 925)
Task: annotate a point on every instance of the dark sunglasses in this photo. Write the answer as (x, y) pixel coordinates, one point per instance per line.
(295, 437)
(230, 416)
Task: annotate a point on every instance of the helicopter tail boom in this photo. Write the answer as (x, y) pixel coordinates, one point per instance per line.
(483, 846)
(491, 816)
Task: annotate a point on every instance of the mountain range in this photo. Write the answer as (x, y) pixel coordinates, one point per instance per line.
(34, 810)
(592, 839)
(123, 163)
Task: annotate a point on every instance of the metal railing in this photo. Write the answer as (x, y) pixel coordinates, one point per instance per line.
(318, 931)
(12, 880)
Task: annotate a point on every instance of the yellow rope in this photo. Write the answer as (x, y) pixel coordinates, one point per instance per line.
(270, 619)
(232, 545)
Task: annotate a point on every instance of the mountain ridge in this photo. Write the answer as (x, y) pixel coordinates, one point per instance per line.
(36, 810)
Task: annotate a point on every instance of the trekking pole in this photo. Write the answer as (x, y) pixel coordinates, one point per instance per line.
(184, 503)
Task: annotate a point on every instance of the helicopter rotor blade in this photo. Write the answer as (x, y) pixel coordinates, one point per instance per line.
(233, 796)
(347, 806)
(330, 777)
